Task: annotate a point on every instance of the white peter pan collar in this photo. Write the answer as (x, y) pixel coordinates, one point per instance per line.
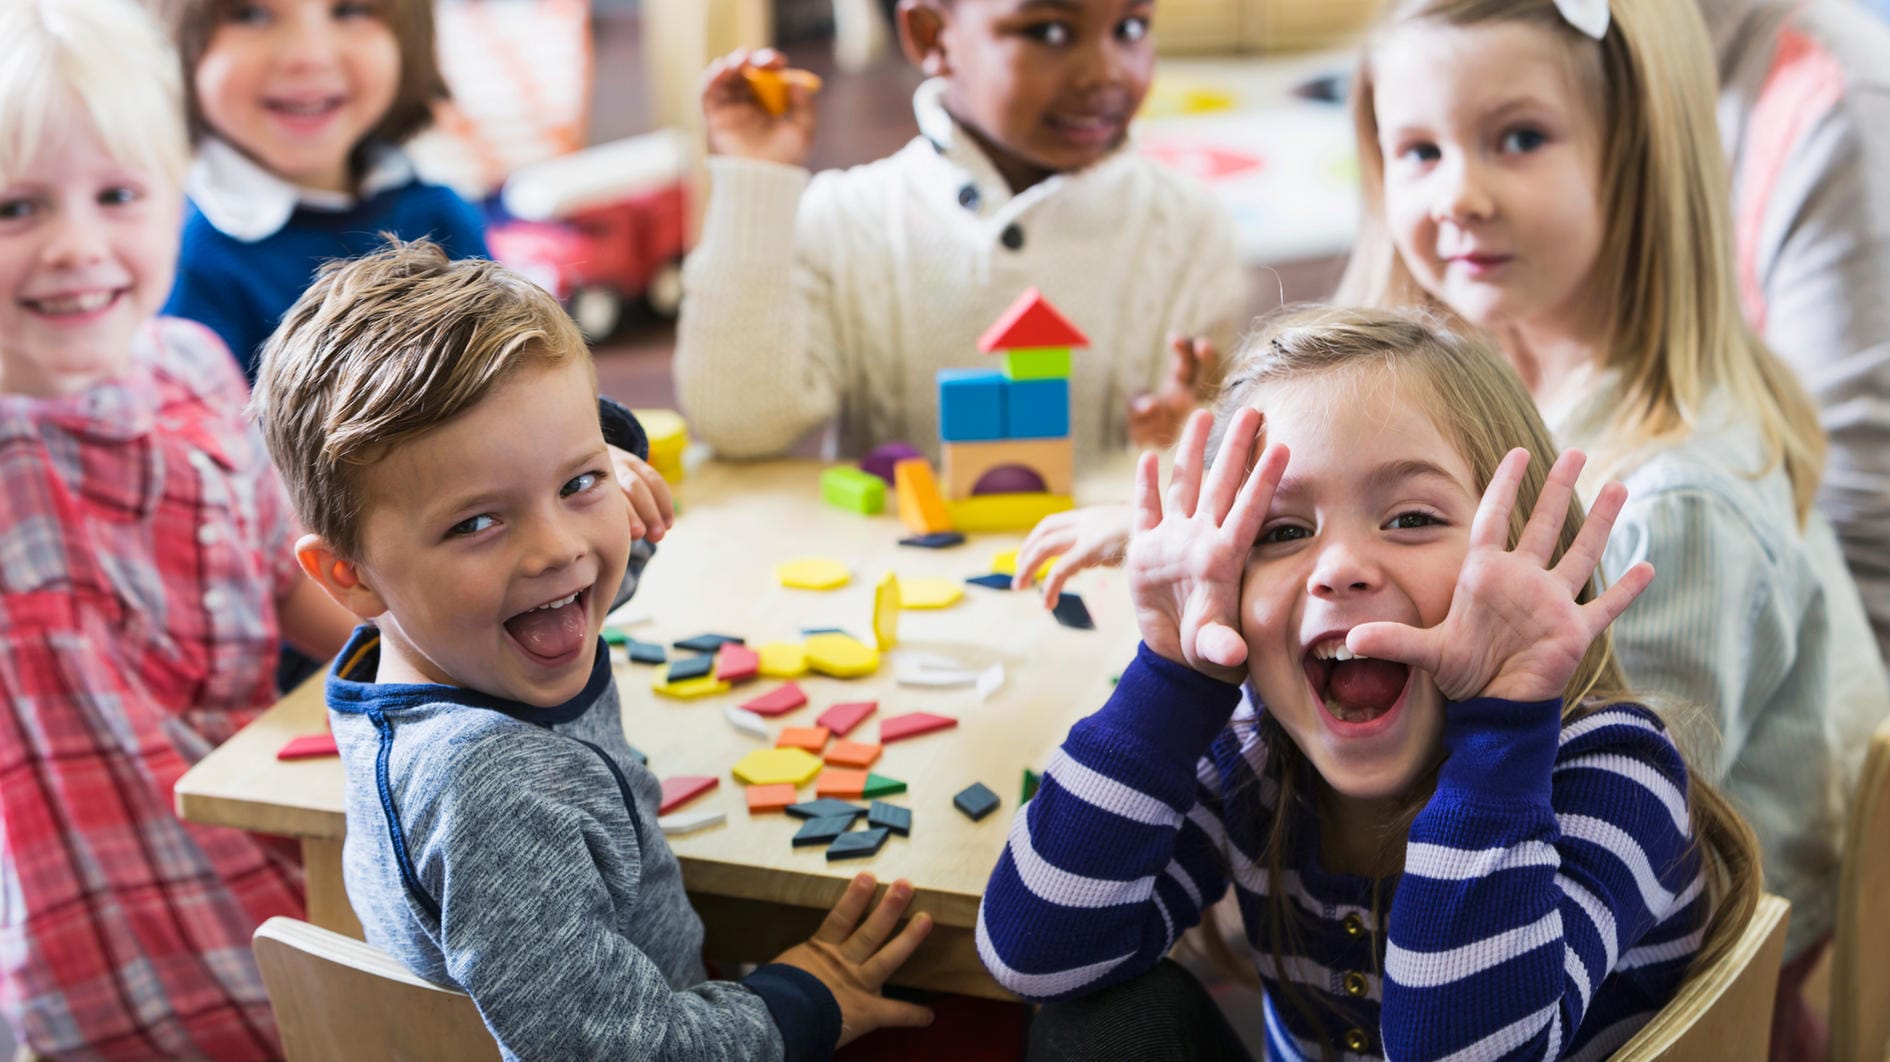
(248, 203)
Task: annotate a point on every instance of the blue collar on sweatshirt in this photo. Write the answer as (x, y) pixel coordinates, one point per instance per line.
(349, 692)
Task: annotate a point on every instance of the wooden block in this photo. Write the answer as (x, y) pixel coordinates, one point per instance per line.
(689, 689)
(841, 656)
(745, 721)
(996, 581)
(690, 821)
(976, 801)
(1005, 512)
(785, 699)
(912, 724)
(308, 746)
(1005, 563)
(966, 462)
(927, 593)
(811, 738)
(795, 767)
(1029, 789)
(1037, 409)
(891, 817)
(684, 788)
(842, 718)
(707, 643)
(812, 573)
(822, 831)
(782, 660)
(878, 785)
(769, 797)
(1029, 323)
(856, 845)
(735, 662)
(886, 604)
(690, 667)
(840, 782)
(770, 86)
(941, 540)
(819, 809)
(1071, 612)
(853, 489)
(852, 754)
(971, 404)
(646, 653)
(921, 508)
(1037, 363)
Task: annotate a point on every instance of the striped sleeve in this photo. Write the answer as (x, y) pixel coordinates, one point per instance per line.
(1534, 873)
(1116, 854)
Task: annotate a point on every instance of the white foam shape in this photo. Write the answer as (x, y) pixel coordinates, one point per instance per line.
(690, 821)
(746, 721)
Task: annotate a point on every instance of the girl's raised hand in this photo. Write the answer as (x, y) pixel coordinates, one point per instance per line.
(739, 125)
(1187, 554)
(1515, 630)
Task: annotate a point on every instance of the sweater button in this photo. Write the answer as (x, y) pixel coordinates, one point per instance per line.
(1012, 237)
(1355, 984)
(1356, 1040)
(1354, 925)
(968, 197)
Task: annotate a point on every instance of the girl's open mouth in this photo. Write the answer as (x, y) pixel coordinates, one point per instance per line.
(1359, 696)
(556, 632)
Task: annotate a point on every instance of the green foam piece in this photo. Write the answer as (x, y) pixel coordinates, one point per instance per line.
(878, 785)
(1031, 780)
(613, 636)
(853, 489)
(1037, 363)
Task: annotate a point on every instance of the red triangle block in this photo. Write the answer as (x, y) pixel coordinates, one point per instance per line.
(308, 746)
(681, 790)
(912, 724)
(1030, 322)
(736, 663)
(785, 699)
(842, 718)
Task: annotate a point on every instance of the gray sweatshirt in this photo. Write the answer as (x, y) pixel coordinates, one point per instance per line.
(512, 852)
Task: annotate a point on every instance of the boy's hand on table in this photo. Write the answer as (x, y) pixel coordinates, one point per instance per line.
(1155, 418)
(652, 513)
(854, 958)
(737, 122)
(1080, 538)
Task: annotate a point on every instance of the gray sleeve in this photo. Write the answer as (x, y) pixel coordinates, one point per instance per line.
(530, 860)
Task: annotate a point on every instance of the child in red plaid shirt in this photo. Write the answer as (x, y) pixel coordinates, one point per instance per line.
(146, 570)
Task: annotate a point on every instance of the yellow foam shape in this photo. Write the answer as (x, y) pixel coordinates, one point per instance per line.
(840, 655)
(930, 593)
(886, 604)
(777, 766)
(812, 573)
(1005, 563)
(687, 688)
(1005, 512)
(782, 660)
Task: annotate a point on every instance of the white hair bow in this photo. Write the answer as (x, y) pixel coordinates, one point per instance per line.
(1589, 16)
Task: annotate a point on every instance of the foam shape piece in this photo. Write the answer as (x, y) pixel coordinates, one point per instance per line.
(811, 738)
(1005, 512)
(878, 785)
(842, 718)
(967, 466)
(812, 573)
(912, 724)
(1029, 788)
(1037, 363)
(689, 689)
(856, 845)
(933, 678)
(890, 816)
(841, 656)
(1071, 612)
(1030, 322)
(921, 508)
(690, 821)
(880, 460)
(846, 753)
(646, 653)
(840, 782)
(770, 86)
(886, 604)
(706, 643)
(782, 660)
(990, 680)
(682, 789)
(692, 667)
(612, 636)
(972, 404)
(736, 662)
(996, 580)
(1009, 479)
(775, 702)
(745, 721)
(1005, 563)
(846, 487)
(941, 540)
(929, 593)
(817, 809)
(822, 831)
(308, 747)
(976, 801)
(768, 797)
(669, 437)
(1037, 409)
(777, 766)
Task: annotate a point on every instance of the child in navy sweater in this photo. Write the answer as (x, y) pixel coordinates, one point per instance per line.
(298, 108)
(1449, 828)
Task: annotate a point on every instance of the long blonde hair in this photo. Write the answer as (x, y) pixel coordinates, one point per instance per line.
(1666, 258)
(1482, 409)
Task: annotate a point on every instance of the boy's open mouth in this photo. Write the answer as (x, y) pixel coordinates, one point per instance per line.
(554, 632)
(305, 109)
(1353, 689)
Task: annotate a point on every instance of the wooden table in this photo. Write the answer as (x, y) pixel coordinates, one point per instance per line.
(756, 893)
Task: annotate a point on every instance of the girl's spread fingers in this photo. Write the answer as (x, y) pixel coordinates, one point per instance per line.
(1148, 494)
(1184, 489)
(1398, 642)
(1489, 529)
(1544, 528)
(1220, 645)
(1230, 466)
(839, 923)
(1615, 600)
(1256, 496)
(1586, 551)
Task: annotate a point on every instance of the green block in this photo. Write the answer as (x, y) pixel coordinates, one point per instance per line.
(1038, 363)
(1031, 780)
(853, 489)
(878, 785)
(613, 636)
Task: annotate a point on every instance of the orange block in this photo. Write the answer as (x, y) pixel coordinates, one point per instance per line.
(853, 754)
(811, 738)
(770, 797)
(921, 507)
(835, 782)
(771, 86)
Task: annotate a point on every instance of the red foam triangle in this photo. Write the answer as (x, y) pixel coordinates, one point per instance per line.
(684, 788)
(842, 718)
(1031, 322)
(308, 746)
(785, 699)
(912, 724)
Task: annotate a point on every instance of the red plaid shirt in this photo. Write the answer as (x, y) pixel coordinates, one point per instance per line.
(144, 541)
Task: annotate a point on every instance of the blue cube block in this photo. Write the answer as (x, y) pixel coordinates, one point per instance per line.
(971, 404)
(1037, 409)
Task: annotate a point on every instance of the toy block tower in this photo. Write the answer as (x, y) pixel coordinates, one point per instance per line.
(1007, 452)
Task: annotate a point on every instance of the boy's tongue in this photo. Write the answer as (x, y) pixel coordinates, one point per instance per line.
(550, 632)
(1366, 687)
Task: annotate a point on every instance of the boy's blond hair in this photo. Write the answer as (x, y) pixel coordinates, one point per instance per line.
(104, 62)
(385, 348)
(1666, 261)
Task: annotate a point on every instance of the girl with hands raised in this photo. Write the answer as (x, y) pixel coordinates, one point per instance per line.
(1436, 796)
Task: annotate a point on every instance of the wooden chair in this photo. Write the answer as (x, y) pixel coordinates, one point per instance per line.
(1724, 1012)
(337, 998)
(1860, 943)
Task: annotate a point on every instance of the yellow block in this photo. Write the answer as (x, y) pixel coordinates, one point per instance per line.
(782, 660)
(1005, 563)
(930, 593)
(776, 766)
(687, 688)
(812, 573)
(886, 611)
(1005, 512)
(669, 437)
(840, 655)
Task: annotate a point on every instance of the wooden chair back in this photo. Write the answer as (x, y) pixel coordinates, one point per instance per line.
(1723, 1013)
(1860, 944)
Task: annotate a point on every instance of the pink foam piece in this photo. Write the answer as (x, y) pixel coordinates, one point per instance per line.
(308, 746)
(881, 460)
(912, 724)
(684, 788)
(842, 718)
(785, 699)
(736, 663)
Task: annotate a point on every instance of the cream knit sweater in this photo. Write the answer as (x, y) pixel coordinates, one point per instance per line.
(841, 296)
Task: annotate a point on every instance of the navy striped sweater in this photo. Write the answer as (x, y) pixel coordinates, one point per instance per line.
(1550, 903)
